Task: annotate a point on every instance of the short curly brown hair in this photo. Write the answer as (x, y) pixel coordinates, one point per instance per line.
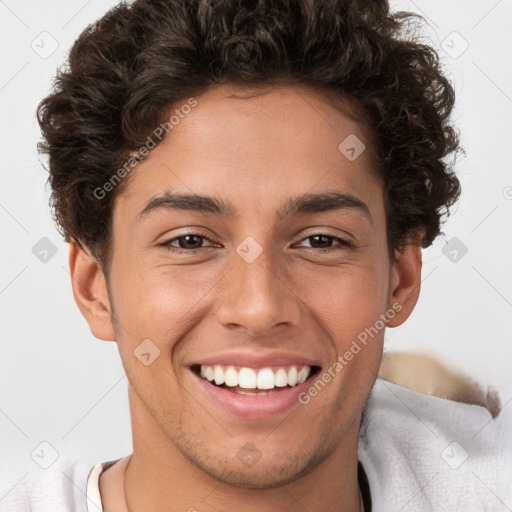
(126, 69)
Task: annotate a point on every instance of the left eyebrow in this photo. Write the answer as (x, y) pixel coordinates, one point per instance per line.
(319, 203)
(304, 204)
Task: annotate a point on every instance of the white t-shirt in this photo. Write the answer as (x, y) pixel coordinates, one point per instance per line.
(420, 454)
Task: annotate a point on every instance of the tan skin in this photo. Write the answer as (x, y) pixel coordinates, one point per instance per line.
(253, 154)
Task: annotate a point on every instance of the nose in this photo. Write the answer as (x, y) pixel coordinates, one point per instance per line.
(257, 298)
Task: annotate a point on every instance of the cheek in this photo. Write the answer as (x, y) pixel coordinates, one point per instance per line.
(348, 311)
(160, 303)
(161, 306)
(346, 300)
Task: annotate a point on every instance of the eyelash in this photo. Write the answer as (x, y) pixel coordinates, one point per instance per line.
(343, 243)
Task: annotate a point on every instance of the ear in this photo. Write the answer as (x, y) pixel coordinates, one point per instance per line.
(405, 281)
(90, 292)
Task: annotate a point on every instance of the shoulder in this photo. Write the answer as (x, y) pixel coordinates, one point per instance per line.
(60, 488)
(423, 452)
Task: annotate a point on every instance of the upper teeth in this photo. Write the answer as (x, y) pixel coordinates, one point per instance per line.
(265, 378)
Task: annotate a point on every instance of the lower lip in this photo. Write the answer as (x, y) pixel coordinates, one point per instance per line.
(253, 407)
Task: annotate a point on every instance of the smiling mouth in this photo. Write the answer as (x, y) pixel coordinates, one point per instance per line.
(255, 381)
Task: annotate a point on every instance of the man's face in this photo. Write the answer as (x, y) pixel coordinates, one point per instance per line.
(251, 289)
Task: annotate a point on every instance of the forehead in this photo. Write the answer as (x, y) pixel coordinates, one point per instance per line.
(255, 144)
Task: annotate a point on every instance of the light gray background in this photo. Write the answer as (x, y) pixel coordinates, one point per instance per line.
(62, 386)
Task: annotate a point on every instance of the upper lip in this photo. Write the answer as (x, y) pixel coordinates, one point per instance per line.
(257, 360)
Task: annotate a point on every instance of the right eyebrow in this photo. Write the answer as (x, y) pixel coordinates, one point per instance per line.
(192, 202)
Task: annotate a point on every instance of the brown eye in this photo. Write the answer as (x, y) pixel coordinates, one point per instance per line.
(187, 242)
(190, 241)
(322, 241)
